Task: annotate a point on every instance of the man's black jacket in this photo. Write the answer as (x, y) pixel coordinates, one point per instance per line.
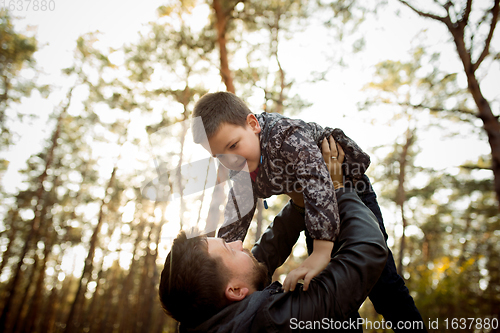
(358, 259)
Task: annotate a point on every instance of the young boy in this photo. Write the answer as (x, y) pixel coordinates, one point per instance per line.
(283, 157)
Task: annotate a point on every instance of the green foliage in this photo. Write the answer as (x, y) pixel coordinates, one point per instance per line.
(452, 261)
(430, 88)
(16, 53)
(453, 216)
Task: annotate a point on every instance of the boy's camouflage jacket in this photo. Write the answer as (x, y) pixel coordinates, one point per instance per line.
(292, 161)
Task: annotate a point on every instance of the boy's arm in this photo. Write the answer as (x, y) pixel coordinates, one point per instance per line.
(322, 249)
(308, 170)
(276, 244)
(334, 168)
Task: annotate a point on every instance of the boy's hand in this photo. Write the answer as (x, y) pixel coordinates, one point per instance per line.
(312, 266)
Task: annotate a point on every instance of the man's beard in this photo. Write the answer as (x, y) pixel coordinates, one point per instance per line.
(259, 272)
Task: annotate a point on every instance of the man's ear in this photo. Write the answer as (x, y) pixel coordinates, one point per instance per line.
(235, 294)
(253, 123)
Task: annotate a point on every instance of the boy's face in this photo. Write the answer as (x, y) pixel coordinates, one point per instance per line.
(236, 145)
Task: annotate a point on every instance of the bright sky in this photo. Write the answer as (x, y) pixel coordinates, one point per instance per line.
(334, 100)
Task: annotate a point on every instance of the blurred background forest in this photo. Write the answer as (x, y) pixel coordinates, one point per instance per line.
(82, 247)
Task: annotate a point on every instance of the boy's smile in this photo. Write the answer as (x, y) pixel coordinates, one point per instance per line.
(236, 145)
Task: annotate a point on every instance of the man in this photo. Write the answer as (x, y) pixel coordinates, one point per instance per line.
(209, 285)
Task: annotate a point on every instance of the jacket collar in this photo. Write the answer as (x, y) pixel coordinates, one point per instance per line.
(236, 317)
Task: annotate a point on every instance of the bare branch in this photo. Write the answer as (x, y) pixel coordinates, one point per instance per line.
(438, 109)
(428, 15)
(474, 167)
(465, 18)
(487, 43)
(447, 7)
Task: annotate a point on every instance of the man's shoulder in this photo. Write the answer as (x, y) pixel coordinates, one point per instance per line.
(239, 316)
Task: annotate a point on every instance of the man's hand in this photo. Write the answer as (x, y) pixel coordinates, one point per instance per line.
(312, 266)
(333, 155)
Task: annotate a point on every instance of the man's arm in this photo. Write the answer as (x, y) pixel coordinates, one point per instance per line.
(360, 255)
(276, 243)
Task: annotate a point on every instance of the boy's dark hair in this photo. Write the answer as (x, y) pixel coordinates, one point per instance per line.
(216, 109)
(192, 282)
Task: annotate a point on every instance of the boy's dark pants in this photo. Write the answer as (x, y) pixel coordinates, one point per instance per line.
(389, 296)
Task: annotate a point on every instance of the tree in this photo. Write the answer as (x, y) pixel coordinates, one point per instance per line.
(39, 210)
(451, 214)
(465, 27)
(223, 11)
(399, 83)
(16, 53)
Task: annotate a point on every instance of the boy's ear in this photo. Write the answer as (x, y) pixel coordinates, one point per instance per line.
(235, 294)
(253, 123)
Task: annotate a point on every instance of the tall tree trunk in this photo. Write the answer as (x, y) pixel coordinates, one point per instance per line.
(492, 127)
(401, 194)
(260, 209)
(94, 311)
(402, 242)
(49, 315)
(91, 312)
(33, 312)
(36, 274)
(184, 100)
(109, 317)
(48, 235)
(274, 46)
(128, 285)
(490, 123)
(222, 19)
(11, 235)
(27, 295)
(152, 303)
(143, 316)
(65, 298)
(73, 320)
(35, 223)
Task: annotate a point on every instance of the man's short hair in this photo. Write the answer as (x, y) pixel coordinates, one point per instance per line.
(216, 109)
(192, 282)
